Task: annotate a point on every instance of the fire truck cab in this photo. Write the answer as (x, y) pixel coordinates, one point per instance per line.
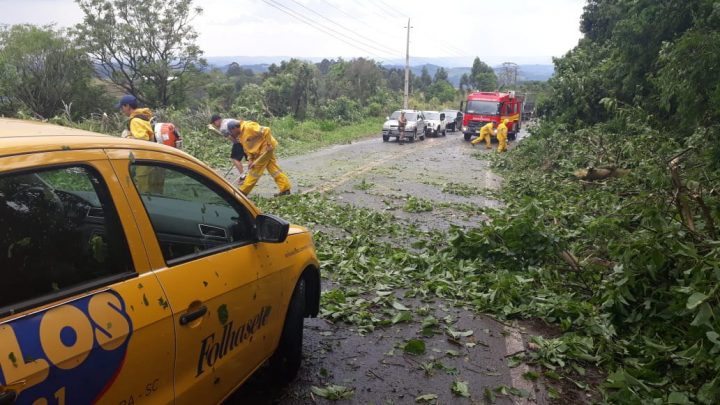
(483, 107)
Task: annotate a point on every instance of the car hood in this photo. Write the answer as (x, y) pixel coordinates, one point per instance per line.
(389, 123)
(433, 122)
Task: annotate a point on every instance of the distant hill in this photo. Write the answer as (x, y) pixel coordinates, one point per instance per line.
(526, 73)
(260, 64)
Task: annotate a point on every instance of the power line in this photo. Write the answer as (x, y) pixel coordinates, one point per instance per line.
(318, 27)
(366, 47)
(454, 51)
(380, 46)
(354, 18)
(385, 12)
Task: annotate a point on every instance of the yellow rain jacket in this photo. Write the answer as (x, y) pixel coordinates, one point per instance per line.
(502, 131)
(486, 133)
(139, 124)
(255, 139)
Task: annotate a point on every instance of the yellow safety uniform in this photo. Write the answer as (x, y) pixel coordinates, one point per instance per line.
(139, 125)
(502, 131)
(485, 133)
(149, 180)
(259, 146)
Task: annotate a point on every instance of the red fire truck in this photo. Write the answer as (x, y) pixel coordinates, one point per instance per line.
(483, 107)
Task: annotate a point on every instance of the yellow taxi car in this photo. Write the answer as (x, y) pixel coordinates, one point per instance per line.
(133, 273)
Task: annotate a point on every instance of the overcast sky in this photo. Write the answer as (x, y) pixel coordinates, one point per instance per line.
(522, 31)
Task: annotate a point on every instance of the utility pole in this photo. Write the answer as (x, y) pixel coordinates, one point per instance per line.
(509, 74)
(407, 68)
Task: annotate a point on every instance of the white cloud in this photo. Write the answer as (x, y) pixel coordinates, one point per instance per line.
(524, 31)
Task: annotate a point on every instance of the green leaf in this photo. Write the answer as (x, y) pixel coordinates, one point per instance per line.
(402, 316)
(223, 314)
(333, 392)
(427, 398)
(415, 347)
(399, 306)
(703, 316)
(678, 398)
(531, 375)
(695, 299)
(460, 388)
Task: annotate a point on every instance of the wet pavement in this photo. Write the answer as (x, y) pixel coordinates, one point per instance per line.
(453, 178)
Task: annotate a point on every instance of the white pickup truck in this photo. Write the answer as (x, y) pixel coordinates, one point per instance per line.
(435, 123)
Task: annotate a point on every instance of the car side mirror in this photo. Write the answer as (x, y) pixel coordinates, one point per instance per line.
(271, 229)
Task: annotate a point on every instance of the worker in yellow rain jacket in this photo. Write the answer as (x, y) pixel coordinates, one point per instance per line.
(149, 180)
(485, 133)
(259, 146)
(502, 133)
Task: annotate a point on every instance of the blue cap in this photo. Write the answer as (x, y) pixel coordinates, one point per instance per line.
(129, 100)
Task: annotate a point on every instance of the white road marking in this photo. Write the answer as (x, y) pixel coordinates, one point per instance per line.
(514, 344)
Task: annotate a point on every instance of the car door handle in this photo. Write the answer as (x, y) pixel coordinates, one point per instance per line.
(7, 397)
(188, 317)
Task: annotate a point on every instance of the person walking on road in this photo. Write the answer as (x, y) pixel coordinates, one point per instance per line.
(402, 122)
(259, 146)
(502, 134)
(237, 153)
(149, 179)
(485, 133)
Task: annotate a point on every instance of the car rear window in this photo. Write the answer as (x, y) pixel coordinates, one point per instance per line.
(59, 234)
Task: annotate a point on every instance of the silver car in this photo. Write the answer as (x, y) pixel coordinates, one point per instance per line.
(414, 129)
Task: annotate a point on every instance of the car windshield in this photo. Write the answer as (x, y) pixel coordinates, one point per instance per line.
(482, 107)
(432, 115)
(408, 115)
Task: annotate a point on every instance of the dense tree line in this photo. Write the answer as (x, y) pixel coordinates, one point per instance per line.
(150, 50)
(637, 98)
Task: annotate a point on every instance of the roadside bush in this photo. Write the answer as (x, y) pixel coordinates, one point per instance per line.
(341, 109)
(630, 262)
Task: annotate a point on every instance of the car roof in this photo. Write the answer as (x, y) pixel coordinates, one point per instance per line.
(23, 137)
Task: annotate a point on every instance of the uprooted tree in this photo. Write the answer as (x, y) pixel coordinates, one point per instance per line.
(146, 48)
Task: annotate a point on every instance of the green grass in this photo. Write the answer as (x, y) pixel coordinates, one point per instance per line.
(295, 137)
(301, 137)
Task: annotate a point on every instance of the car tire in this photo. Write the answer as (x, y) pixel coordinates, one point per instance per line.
(467, 137)
(285, 362)
(386, 138)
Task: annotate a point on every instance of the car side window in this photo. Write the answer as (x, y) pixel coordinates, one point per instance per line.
(190, 214)
(59, 235)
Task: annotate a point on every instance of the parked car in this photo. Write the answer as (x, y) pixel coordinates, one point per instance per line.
(415, 128)
(133, 272)
(453, 119)
(435, 123)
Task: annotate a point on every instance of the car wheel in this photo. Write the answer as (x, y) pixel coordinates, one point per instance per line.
(467, 137)
(285, 362)
(386, 138)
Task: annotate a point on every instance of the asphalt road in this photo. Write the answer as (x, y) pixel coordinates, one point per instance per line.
(381, 176)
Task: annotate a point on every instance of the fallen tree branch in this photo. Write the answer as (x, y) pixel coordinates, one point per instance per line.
(680, 194)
